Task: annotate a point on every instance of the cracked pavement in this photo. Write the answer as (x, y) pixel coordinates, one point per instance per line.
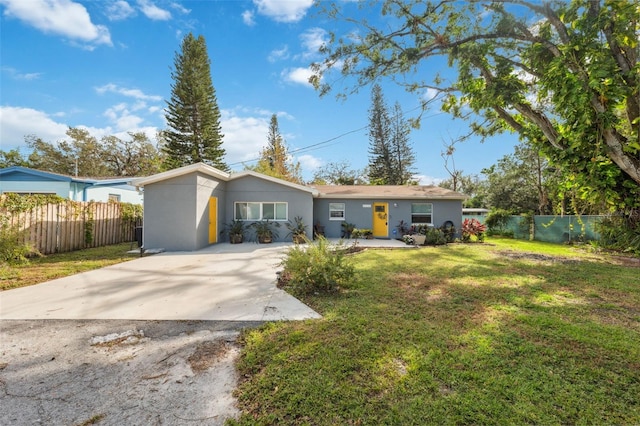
(70, 372)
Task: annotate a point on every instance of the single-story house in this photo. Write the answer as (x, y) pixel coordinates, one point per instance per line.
(186, 208)
(24, 180)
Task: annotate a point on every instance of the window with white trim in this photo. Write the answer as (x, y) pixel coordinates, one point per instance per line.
(114, 197)
(251, 211)
(336, 211)
(421, 213)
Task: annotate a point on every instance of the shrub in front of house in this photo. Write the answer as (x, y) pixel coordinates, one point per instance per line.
(473, 230)
(435, 237)
(316, 267)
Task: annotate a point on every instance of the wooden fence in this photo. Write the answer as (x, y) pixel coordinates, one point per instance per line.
(73, 225)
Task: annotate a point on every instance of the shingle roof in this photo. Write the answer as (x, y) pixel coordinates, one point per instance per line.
(387, 192)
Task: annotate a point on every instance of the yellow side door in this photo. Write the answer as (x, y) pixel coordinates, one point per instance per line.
(213, 220)
(380, 220)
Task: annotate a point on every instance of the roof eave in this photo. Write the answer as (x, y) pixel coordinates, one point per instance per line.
(181, 171)
(392, 197)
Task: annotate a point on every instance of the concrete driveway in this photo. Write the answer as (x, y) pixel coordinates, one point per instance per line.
(222, 282)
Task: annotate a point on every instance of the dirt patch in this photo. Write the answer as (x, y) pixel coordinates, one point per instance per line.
(207, 354)
(632, 262)
(518, 255)
(118, 372)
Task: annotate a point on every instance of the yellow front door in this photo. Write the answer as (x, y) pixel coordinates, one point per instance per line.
(381, 220)
(213, 220)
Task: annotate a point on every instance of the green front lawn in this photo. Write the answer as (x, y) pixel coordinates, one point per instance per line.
(45, 268)
(459, 334)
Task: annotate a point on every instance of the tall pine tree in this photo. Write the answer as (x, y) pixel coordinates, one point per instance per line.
(274, 158)
(401, 150)
(391, 157)
(380, 157)
(193, 116)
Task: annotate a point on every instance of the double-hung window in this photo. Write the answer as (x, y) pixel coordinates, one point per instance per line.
(260, 211)
(336, 211)
(421, 213)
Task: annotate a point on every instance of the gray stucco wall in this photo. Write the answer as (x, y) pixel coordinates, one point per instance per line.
(360, 213)
(252, 189)
(176, 212)
(206, 188)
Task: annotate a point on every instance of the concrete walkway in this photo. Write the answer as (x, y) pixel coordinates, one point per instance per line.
(221, 282)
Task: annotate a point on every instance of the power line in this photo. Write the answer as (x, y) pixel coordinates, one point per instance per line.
(321, 144)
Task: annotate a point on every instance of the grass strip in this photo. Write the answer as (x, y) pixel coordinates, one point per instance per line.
(459, 334)
(45, 268)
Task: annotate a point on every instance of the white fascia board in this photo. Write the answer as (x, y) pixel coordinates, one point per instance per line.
(181, 171)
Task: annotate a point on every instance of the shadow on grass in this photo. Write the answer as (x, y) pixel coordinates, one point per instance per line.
(456, 335)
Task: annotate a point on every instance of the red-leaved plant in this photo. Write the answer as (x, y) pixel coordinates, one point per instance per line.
(472, 228)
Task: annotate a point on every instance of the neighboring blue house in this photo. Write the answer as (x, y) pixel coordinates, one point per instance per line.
(186, 208)
(23, 180)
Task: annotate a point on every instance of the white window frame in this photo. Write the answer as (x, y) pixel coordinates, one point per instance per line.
(422, 214)
(114, 197)
(337, 207)
(261, 211)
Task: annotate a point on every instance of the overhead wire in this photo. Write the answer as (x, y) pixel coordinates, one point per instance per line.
(326, 142)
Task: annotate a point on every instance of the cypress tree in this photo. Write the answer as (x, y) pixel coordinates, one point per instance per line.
(194, 134)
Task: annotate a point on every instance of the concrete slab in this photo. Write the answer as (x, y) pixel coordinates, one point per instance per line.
(222, 282)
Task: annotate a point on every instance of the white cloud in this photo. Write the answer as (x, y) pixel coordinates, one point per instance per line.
(278, 54)
(132, 93)
(244, 136)
(180, 8)
(298, 76)
(310, 163)
(62, 17)
(151, 11)
(248, 18)
(283, 11)
(312, 40)
(18, 122)
(430, 94)
(138, 105)
(17, 75)
(120, 10)
(427, 180)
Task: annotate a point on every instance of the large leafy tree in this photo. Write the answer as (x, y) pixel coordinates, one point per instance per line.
(83, 155)
(136, 156)
(471, 185)
(193, 117)
(518, 183)
(13, 157)
(274, 157)
(80, 155)
(391, 157)
(563, 74)
(340, 173)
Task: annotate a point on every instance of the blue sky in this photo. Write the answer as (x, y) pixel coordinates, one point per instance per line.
(106, 66)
